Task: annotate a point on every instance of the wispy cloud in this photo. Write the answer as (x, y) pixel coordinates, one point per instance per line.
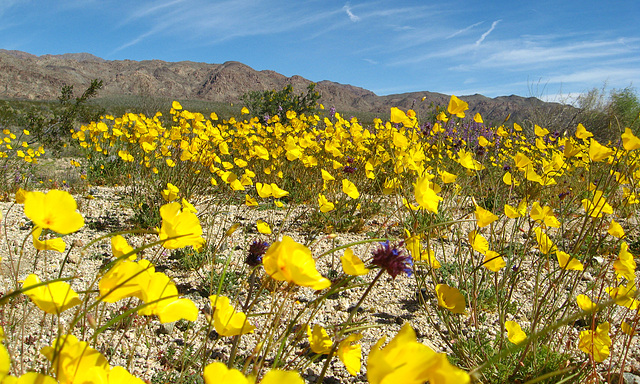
(6, 5)
(484, 35)
(352, 17)
(461, 31)
(221, 21)
(142, 12)
(512, 54)
(614, 76)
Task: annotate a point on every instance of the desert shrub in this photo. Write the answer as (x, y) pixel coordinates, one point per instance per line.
(267, 104)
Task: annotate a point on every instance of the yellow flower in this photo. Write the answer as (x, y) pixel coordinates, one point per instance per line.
(263, 227)
(325, 204)
(406, 361)
(582, 133)
(183, 227)
(277, 192)
(398, 116)
(351, 264)
(457, 107)
(319, 341)
(599, 152)
(120, 247)
(121, 375)
(53, 298)
(515, 334)
(216, 373)
(350, 189)
(176, 105)
(493, 261)
(188, 207)
(539, 131)
(630, 141)
(466, 159)
(484, 217)
(5, 363)
(171, 193)
(615, 230)
(543, 215)
(326, 176)
(447, 178)
(55, 211)
(287, 260)
(21, 195)
(544, 242)
(585, 303)
(74, 361)
(425, 195)
(351, 354)
(429, 256)
(264, 190)
(514, 213)
(226, 320)
(477, 118)
(56, 244)
(568, 262)
(276, 376)
(250, 201)
(597, 206)
(627, 329)
(624, 296)
(161, 298)
(125, 279)
(478, 242)
(596, 343)
(625, 265)
(29, 378)
(413, 244)
(450, 298)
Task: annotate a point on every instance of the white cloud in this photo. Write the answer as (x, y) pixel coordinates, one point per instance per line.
(352, 17)
(216, 22)
(513, 54)
(484, 35)
(460, 31)
(5, 5)
(616, 77)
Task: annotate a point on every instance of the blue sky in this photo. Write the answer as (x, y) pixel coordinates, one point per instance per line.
(527, 48)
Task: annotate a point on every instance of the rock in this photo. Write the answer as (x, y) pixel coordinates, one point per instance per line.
(627, 378)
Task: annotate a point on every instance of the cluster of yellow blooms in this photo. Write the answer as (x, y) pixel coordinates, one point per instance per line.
(24, 151)
(74, 361)
(252, 158)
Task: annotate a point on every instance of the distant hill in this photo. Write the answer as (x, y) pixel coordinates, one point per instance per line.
(27, 76)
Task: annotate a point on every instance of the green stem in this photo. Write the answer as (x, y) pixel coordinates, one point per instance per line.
(339, 333)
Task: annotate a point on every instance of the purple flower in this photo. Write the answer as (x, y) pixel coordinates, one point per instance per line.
(348, 169)
(256, 250)
(392, 259)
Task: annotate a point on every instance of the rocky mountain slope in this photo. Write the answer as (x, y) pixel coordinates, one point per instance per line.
(26, 76)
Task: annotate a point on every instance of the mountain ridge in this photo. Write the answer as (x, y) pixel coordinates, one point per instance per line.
(27, 76)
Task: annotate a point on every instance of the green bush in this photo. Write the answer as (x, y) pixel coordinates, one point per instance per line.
(276, 103)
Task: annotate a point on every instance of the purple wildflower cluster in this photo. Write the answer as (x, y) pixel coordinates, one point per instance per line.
(257, 249)
(392, 259)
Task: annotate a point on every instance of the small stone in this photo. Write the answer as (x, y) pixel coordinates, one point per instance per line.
(587, 277)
